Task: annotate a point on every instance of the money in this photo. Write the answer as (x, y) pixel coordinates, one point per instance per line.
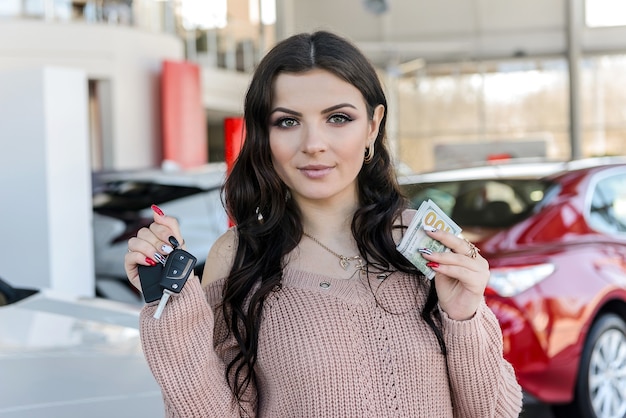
(415, 238)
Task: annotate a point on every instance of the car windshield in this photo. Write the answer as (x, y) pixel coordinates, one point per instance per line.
(496, 203)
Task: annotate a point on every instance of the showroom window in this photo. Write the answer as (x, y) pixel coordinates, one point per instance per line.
(459, 114)
(603, 13)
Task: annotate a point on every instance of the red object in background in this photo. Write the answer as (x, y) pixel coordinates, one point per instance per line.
(184, 121)
(233, 140)
(498, 158)
(234, 134)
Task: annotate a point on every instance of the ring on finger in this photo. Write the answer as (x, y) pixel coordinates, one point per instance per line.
(473, 250)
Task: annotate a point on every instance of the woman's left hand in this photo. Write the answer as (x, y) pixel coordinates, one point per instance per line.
(461, 275)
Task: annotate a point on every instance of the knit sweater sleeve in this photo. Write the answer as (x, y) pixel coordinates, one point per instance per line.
(483, 383)
(180, 352)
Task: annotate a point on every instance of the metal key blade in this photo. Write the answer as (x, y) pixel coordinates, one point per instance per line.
(161, 307)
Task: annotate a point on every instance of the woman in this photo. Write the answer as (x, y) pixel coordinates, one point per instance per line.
(306, 308)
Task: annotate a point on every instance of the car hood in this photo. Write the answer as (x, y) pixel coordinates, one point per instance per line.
(71, 357)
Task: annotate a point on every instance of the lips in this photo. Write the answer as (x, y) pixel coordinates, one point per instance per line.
(315, 171)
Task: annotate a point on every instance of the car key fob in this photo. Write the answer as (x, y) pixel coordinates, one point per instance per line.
(178, 267)
(150, 279)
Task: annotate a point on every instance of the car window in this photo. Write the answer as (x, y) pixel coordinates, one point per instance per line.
(481, 203)
(133, 195)
(608, 205)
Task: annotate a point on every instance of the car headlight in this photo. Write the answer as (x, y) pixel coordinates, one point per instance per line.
(510, 281)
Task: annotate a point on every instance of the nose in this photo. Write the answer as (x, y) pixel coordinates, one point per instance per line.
(313, 140)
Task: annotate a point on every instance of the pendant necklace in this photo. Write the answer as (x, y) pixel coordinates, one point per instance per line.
(344, 261)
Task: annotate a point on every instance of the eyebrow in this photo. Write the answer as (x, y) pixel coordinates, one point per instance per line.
(328, 109)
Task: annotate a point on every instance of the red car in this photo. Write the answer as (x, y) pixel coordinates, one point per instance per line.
(555, 238)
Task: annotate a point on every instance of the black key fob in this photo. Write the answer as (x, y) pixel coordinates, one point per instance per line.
(150, 279)
(178, 267)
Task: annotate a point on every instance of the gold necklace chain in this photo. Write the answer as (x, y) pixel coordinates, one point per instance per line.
(344, 261)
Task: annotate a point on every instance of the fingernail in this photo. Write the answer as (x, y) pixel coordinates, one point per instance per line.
(158, 257)
(432, 264)
(157, 210)
(429, 228)
(426, 251)
(166, 248)
(150, 261)
(172, 239)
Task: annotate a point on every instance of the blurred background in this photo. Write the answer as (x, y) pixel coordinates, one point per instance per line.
(528, 78)
(107, 106)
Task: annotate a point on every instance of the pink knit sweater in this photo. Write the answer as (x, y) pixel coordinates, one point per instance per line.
(332, 348)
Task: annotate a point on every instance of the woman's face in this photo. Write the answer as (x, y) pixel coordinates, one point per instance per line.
(319, 129)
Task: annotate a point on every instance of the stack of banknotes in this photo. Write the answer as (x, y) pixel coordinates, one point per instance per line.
(415, 238)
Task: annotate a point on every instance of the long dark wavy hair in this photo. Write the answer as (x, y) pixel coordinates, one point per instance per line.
(253, 186)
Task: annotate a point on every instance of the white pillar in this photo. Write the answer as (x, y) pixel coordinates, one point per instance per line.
(45, 180)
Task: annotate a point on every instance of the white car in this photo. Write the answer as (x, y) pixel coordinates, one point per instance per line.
(121, 204)
(70, 357)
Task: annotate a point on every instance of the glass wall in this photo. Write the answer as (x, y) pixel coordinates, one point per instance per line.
(603, 91)
(472, 112)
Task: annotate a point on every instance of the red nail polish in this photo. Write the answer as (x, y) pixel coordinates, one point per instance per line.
(157, 210)
(432, 264)
(150, 261)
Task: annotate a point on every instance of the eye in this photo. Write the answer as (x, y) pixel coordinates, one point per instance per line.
(286, 123)
(339, 118)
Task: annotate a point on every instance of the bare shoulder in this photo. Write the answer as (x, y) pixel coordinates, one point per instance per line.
(220, 258)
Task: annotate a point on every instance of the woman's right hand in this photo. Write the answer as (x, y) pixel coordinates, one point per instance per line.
(150, 244)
